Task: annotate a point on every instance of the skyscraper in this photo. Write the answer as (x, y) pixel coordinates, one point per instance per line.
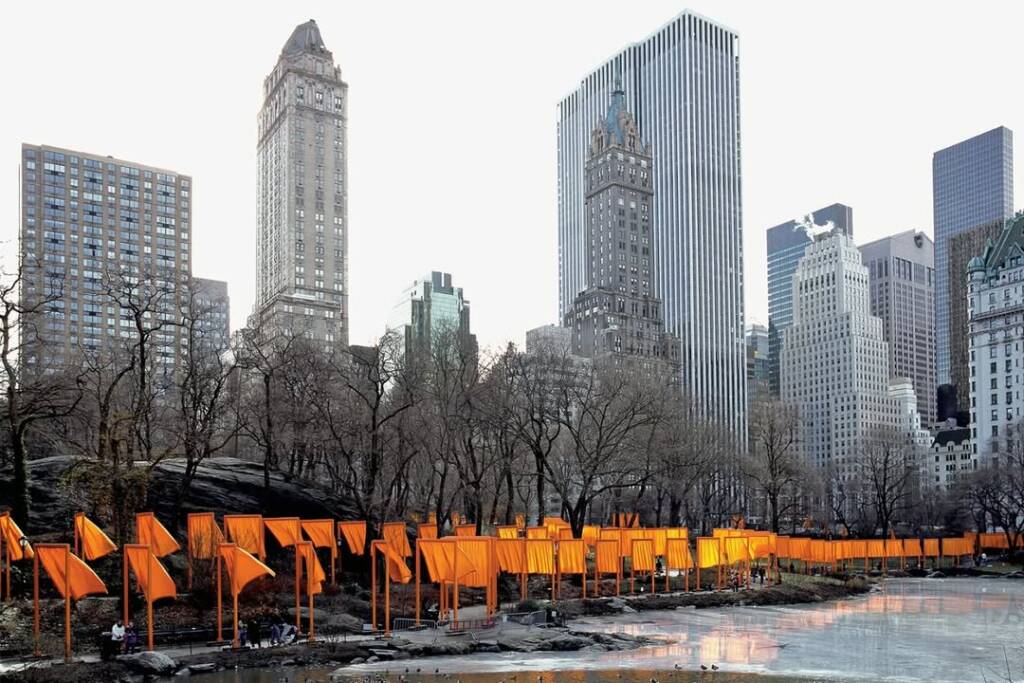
(786, 246)
(91, 226)
(902, 268)
(972, 183)
(757, 361)
(835, 362)
(682, 84)
(617, 313)
(302, 193)
(430, 309)
(213, 310)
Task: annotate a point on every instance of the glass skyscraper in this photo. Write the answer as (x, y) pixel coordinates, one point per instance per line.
(682, 85)
(972, 183)
(786, 245)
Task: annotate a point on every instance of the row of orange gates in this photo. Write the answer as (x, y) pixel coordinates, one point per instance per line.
(463, 560)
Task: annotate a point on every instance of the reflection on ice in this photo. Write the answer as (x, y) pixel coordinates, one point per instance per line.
(911, 630)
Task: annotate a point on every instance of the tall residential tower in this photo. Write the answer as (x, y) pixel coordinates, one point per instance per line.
(302, 193)
(682, 85)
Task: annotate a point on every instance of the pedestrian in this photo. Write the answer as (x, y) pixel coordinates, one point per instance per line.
(255, 637)
(117, 635)
(242, 636)
(275, 634)
(131, 638)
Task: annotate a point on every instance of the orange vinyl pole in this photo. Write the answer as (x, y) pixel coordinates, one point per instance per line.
(309, 593)
(387, 598)
(298, 592)
(149, 600)
(220, 631)
(455, 591)
(373, 585)
(234, 604)
(35, 603)
(67, 606)
(417, 583)
(124, 586)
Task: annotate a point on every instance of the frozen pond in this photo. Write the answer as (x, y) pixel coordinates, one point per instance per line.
(949, 630)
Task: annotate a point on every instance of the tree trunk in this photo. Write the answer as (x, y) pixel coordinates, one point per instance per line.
(19, 502)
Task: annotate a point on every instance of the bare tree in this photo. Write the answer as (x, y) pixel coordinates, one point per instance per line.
(773, 463)
(889, 472)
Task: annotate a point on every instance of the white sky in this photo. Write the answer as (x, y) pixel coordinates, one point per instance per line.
(452, 121)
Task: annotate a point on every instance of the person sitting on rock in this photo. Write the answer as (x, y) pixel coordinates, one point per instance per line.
(117, 635)
(275, 634)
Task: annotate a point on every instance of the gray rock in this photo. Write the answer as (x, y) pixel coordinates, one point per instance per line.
(149, 663)
(357, 660)
(202, 668)
(372, 659)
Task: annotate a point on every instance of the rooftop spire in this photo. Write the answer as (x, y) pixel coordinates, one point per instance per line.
(305, 38)
(612, 120)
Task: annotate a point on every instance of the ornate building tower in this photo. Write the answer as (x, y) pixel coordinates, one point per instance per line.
(302, 245)
(618, 313)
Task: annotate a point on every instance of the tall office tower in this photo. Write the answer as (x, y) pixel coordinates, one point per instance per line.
(90, 226)
(835, 368)
(972, 183)
(683, 86)
(302, 194)
(549, 338)
(786, 246)
(996, 342)
(961, 248)
(757, 361)
(213, 310)
(902, 295)
(617, 314)
(429, 309)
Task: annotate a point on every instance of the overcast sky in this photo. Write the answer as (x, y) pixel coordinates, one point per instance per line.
(452, 116)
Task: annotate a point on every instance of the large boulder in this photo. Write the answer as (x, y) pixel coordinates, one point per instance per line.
(149, 663)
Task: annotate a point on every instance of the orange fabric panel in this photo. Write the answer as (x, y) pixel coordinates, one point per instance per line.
(540, 556)
(876, 548)
(12, 537)
(893, 547)
(95, 543)
(246, 531)
(607, 556)
(912, 547)
(629, 536)
(761, 544)
(508, 532)
(204, 536)
(565, 534)
(677, 554)
(465, 530)
(957, 546)
(537, 532)
(737, 549)
(931, 547)
(477, 551)
(610, 534)
(287, 530)
(81, 579)
(439, 557)
(591, 533)
(858, 549)
(149, 531)
(426, 532)
(354, 533)
(398, 570)
(708, 552)
(994, 541)
(242, 568)
(800, 549)
(642, 552)
(321, 533)
(511, 554)
(678, 532)
(660, 536)
(395, 535)
(782, 546)
(554, 525)
(311, 565)
(572, 556)
(150, 574)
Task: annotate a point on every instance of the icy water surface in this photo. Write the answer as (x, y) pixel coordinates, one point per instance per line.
(935, 630)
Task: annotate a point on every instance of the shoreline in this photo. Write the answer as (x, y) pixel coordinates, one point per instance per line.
(796, 589)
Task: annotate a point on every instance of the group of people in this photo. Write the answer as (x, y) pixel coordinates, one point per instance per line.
(281, 633)
(124, 637)
(757, 577)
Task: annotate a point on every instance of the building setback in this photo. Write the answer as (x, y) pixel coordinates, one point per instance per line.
(213, 307)
(787, 243)
(972, 184)
(757, 361)
(428, 310)
(902, 269)
(88, 222)
(302, 194)
(996, 323)
(682, 83)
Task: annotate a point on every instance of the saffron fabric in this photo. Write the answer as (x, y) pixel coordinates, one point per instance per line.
(354, 533)
(477, 551)
(677, 554)
(737, 549)
(80, 580)
(591, 533)
(426, 531)
(150, 574)
(709, 552)
(912, 547)
(149, 531)
(660, 536)
(242, 567)
(572, 556)
(321, 533)
(612, 535)
(395, 563)
(465, 530)
(678, 532)
(957, 547)
(607, 556)
(643, 555)
(511, 554)
(893, 547)
(540, 556)
(246, 531)
(931, 547)
(508, 532)
(314, 571)
(13, 537)
(287, 530)
(439, 558)
(782, 547)
(876, 548)
(204, 536)
(395, 535)
(537, 532)
(95, 544)
(762, 544)
(800, 549)
(994, 541)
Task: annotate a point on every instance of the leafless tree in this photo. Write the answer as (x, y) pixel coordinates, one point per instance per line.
(773, 464)
(889, 473)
